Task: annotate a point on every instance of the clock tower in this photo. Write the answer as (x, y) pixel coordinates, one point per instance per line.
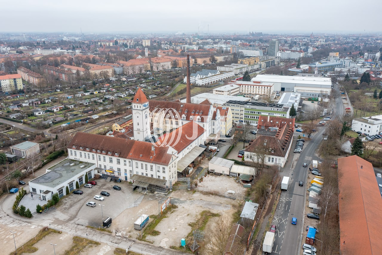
(141, 119)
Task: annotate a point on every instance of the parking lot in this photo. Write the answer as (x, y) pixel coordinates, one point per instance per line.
(74, 206)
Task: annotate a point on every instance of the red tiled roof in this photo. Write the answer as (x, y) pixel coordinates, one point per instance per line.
(140, 97)
(129, 149)
(178, 108)
(266, 122)
(182, 137)
(206, 101)
(360, 207)
(10, 76)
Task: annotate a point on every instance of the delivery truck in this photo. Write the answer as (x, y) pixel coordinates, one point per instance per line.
(268, 242)
(285, 183)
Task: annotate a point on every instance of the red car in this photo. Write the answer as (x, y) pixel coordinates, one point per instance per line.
(273, 229)
(93, 182)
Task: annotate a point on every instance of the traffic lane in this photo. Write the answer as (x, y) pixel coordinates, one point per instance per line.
(292, 232)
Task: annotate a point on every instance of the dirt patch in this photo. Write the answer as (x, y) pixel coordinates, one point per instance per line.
(220, 185)
(190, 206)
(103, 249)
(62, 241)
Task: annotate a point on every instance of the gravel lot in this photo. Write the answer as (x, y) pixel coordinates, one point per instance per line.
(175, 227)
(220, 185)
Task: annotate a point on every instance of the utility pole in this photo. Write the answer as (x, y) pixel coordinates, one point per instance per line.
(54, 250)
(14, 240)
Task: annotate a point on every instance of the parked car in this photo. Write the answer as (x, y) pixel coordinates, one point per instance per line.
(116, 187)
(222, 141)
(313, 216)
(299, 130)
(359, 132)
(294, 221)
(298, 150)
(99, 198)
(308, 246)
(240, 155)
(92, 182)
(105, 193)
(273, 229)
(316, 173)
(22, 183)
(88, 185)
(253, 132)
(91, 204)
(305, 165)
(300, 183)
(379, 175)
(78, 192)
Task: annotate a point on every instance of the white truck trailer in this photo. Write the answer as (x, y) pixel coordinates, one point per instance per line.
(268, 242)
(285, 183)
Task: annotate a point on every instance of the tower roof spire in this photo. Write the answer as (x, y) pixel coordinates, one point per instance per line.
(140, 97)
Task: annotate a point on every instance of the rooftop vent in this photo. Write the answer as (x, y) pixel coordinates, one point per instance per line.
(82, 166)
(71, 164)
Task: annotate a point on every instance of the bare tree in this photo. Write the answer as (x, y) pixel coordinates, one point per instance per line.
(217, 238)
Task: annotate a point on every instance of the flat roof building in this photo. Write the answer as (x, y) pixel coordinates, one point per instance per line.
(289, 98)
(360, 207)
(25, 149)
(306, 86)
(227, 90)
(215, 99)
(64, 174)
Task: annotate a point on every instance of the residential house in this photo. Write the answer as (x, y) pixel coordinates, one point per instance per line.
(38, 112)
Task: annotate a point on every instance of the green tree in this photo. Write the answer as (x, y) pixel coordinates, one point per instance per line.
(67, 190)
(246, 76)
(357, 147)
(87, 179)
(28, 214)
(55, 198)
(375, 94)
(77, 185)
(38, 209)
(380, 95)
(298, 63)
(347, 78)
(292, 111)
(345, 128)
(3, 158)
(22, 210)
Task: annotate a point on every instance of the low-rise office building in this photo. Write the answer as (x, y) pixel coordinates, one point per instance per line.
(252, 88)
(249, 112)
(368, 125)
(61, 178)
(207, 77)
(227, 90)
(289, 98)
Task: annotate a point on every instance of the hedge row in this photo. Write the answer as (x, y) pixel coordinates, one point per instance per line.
(21, 210)
(14, 120)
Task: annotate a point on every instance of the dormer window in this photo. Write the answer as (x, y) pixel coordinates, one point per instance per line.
(109, 153)
(81, 148)
(137, 99)
(116, 154)
(74, 146)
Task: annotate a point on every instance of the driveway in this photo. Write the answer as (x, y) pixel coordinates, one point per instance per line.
(235, 151)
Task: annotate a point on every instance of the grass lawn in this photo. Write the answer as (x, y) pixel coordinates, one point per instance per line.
(351, 134)
(178, 88)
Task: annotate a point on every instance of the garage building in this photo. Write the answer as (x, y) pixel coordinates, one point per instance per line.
(220, 165)
(65, 174)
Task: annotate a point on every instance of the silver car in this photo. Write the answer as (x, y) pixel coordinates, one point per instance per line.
(91, 204)
(88, 185)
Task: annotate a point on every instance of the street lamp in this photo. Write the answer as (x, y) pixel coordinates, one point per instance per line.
(14, 240)
(101, 211)
(54, 249)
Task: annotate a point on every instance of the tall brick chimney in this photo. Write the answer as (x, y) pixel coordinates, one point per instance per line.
(188, 97)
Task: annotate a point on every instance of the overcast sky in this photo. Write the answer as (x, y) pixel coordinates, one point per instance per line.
(136, 16)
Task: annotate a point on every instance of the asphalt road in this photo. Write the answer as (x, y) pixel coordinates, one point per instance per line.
(288, 238)
(20, 126)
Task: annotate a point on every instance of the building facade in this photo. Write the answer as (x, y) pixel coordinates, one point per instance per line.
(368, 125)
(252, 88)
(11, 82)
(30, 76)
(25, 149)
(273, 48)
(250, 112)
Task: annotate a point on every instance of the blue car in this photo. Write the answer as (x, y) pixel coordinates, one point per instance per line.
(298, 130)
(294, 221)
